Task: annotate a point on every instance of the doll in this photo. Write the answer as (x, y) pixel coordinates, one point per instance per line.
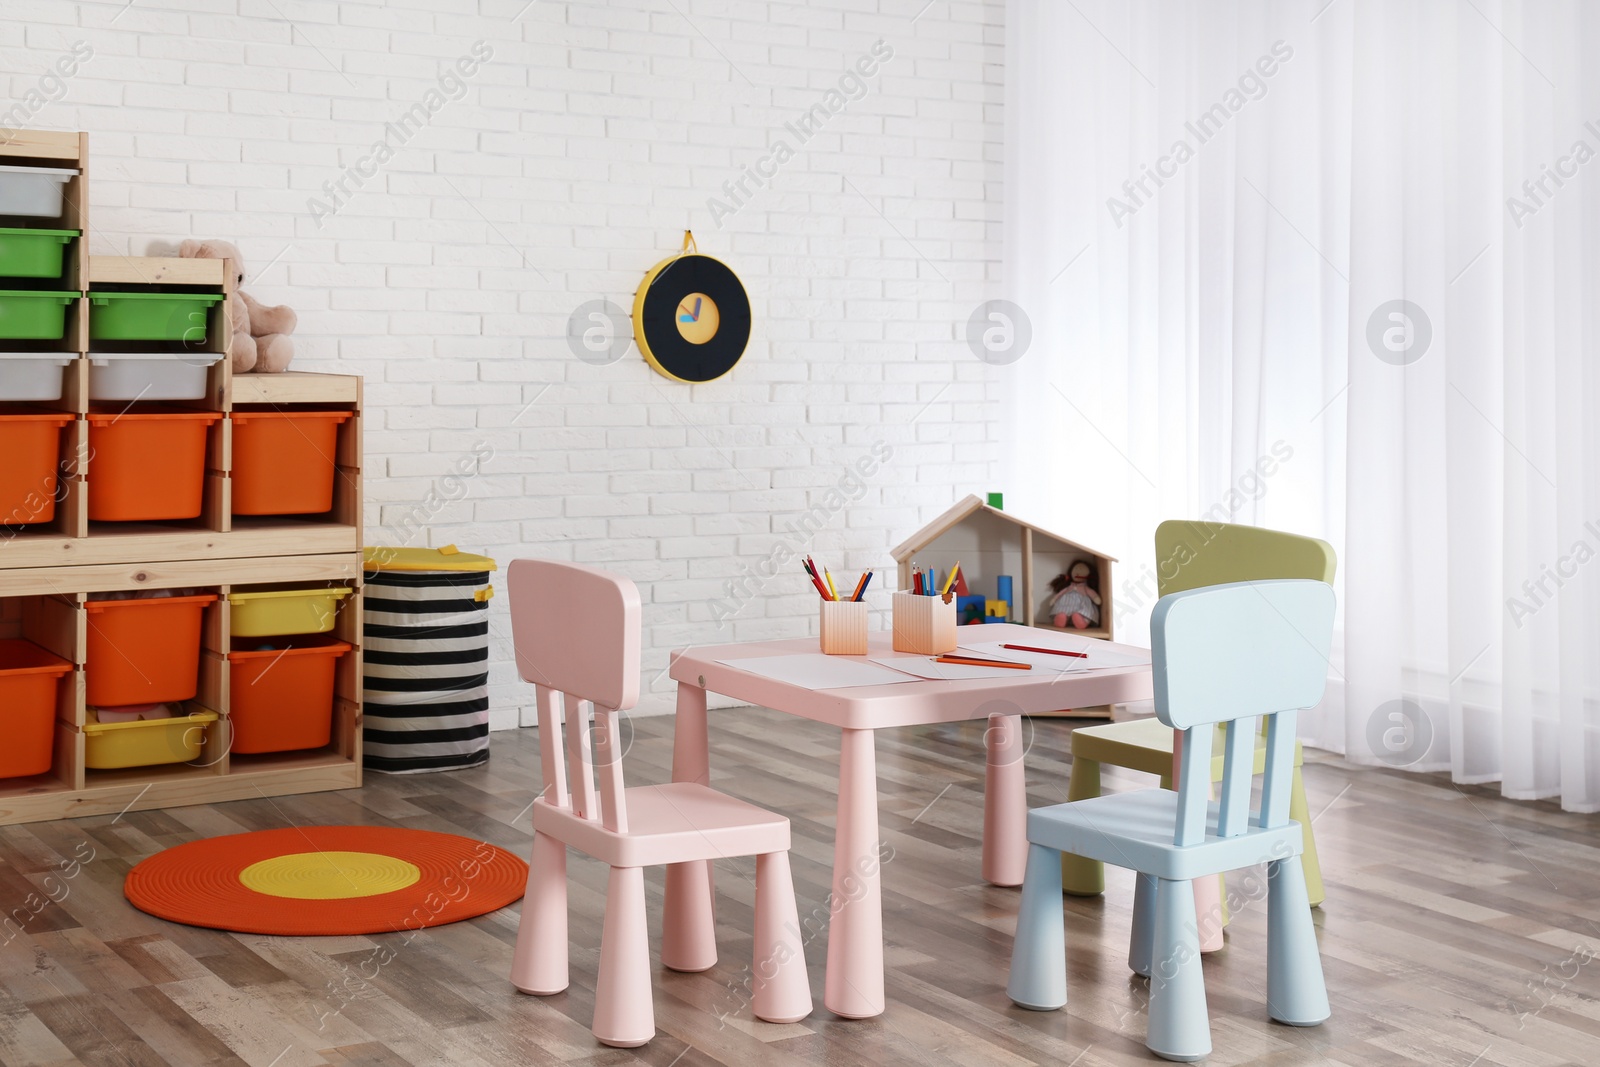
(1074, 600)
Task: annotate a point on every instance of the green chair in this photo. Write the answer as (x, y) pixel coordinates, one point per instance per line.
(1190, 555)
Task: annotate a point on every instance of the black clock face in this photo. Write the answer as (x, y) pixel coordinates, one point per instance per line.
(692, 318)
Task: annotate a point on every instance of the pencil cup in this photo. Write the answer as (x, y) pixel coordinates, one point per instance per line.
(844, 627)
(924, 624)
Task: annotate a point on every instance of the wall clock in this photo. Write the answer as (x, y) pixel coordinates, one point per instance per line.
(691, 317)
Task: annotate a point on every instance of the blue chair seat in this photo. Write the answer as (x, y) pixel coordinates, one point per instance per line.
(1134, 830)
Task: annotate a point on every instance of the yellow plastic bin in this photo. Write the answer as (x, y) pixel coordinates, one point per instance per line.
(275, 612)
(145, 743)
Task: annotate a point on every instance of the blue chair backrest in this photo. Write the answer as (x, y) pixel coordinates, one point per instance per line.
(1227, 654)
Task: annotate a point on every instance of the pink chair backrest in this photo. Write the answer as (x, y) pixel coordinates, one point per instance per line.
(576, 633)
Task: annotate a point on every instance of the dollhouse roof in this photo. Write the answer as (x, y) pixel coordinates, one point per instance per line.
(972, 505)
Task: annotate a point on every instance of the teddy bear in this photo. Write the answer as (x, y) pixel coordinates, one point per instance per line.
(261, 339)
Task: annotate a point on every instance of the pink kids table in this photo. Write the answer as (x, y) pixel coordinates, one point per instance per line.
(854, 986)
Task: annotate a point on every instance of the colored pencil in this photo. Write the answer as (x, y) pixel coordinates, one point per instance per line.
(948, 582)
(864, 583)
(831, 587)
(1050, 651)
(972, 662)
(855, 594)
(813, 576)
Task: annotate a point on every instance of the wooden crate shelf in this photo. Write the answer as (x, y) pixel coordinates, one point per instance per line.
(50, 570)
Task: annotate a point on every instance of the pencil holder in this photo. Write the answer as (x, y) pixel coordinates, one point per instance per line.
(924, 624)
(844, 627)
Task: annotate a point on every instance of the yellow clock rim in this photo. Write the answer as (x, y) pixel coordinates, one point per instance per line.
(638, 317)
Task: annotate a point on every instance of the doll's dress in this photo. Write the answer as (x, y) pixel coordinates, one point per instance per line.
(1072, 601)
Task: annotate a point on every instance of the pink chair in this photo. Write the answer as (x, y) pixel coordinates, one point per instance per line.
(576, 632)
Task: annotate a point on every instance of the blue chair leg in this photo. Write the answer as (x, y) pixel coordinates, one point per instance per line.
(1039, 956)
(1295, 991)
(1179, 1026)
(1144, 925)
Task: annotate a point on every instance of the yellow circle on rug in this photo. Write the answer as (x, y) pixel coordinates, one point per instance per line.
(329, 875)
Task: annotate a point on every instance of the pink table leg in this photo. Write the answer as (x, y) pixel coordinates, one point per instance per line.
(689, 928)
(1005, 803)
(854, 986)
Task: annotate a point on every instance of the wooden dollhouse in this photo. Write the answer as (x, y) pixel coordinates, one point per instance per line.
(989, 544)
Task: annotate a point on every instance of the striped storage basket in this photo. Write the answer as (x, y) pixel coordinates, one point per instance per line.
(426, 676)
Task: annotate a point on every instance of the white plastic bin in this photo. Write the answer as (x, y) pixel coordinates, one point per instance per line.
(143, 376)
(32, 375)
(34, 191)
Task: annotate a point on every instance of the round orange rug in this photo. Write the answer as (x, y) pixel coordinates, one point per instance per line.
(326, 880)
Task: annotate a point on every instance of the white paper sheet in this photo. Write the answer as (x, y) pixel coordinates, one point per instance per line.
(813, 670)
(1100, 656)
(925, 667)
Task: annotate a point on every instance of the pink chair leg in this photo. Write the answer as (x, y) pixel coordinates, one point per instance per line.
(1208, 914)
(539, 965)
(689, 936)
(782, 988)
(1005, 803)
(688, 925)
(854, 985)
(624, 1014)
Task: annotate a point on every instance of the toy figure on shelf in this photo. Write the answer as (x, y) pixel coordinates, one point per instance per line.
(1076, 601)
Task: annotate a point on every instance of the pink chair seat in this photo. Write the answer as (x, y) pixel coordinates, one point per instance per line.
(674, 823)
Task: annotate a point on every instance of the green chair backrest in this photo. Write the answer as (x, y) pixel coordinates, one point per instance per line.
(1191, 554)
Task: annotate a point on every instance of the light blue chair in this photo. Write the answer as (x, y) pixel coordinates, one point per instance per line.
(1221, 654)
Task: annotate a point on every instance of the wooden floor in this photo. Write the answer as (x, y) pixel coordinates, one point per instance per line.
(1459, 930)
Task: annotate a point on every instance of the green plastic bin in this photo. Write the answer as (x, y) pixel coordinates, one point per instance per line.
(32, 253)
(150, 316)
(35, 316)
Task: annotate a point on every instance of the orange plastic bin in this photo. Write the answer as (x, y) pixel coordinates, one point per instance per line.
(28, 679)
(282, 696)
(148, 466)
(144, 651)
(284, 462)
(30, 445)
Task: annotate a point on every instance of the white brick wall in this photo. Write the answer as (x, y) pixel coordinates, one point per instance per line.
(572, 162)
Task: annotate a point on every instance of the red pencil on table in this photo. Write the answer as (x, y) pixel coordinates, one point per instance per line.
(1050, 651)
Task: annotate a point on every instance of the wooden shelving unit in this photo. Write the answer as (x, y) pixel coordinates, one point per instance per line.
(48, 571)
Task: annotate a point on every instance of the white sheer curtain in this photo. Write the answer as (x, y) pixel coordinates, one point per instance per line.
(1326, 301)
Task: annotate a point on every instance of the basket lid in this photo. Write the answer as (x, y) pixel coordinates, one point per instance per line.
(448, 558)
